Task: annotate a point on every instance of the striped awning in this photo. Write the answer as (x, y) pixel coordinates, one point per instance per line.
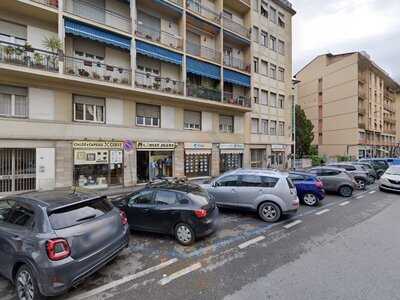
(237, 78)
(201, 68)
(158, 53)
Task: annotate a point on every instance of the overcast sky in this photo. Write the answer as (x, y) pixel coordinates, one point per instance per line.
(338, 26)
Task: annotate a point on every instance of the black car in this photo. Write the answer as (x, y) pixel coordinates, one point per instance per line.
(180, 209)
(380, 165)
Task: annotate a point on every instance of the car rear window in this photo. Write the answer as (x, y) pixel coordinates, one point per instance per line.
(290, 183)
(199, 198)
(77, 214)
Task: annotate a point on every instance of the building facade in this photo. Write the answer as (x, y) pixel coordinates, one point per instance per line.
(352, 103)
(115, 92)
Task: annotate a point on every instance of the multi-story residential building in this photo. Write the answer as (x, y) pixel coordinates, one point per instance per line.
(137, 89)
(352, 104)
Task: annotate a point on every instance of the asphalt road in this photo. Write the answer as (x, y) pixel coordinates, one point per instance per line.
(342, 249)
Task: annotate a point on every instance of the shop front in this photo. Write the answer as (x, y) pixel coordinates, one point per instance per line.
(198, 159)
(278, 155)
(231, 156)
(154, 160)
(98, 164)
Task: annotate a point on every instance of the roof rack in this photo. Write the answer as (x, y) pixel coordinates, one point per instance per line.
(167, 180)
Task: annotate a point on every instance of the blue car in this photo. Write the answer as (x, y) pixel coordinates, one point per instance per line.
(310, 189)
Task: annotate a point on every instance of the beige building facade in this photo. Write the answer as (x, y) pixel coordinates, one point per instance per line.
(353, 105)
(138, 90)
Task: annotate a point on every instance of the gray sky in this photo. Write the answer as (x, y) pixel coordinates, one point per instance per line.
(337, 26)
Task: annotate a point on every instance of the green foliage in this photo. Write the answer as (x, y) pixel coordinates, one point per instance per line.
(317, 160)
(52, 44)
(304, 133)
(343, 158)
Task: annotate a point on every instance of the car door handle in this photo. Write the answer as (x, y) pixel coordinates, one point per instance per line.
(16, 238)
(146, 210)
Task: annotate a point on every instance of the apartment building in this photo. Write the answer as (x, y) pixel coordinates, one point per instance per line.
(137, 90)
(352, 103)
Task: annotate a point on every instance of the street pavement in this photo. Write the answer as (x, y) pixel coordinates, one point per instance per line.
(342, 249)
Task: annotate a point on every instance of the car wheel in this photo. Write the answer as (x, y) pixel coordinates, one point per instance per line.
(269, 212)
(184, 234)
(310, 199)
(361, 184)
(345, 191)
(26, 285)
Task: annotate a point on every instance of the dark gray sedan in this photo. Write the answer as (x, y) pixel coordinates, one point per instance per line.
(51, 241)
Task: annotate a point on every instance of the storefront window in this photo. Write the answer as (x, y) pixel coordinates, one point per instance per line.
(257, 157)
(197, 164)
(154, 165)
(230, 161)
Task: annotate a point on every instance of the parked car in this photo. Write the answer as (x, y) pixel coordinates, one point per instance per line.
(359, 174)
(310, 189)
(393, 161)
(390, 180)
(367, 167)
(52, 241)
(269, 193)
(379, 164)
(335, 180)
(171, 207)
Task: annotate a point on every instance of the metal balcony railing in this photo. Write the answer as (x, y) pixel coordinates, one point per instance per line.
(388, 107)
(236, 27)
(202, 10)
(96, 70)
(204, 52)
(178, 2)
(362, 95)
(240, 100)
(51, 3)
(158, 83)
(158, 36)
(203, 92)
(29, 57)
(87, 10)
(236, 63)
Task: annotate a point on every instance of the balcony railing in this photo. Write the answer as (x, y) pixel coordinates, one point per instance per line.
(362, 95)
(361, 78)
(236, 27)
(388, 107)
(51, 3)
(177, 2)
(240, 100)
(161, 37)
(388, 96)
(157, 83)
(361, 111)
(26, 56)
(202, 10)
(204, 52)
(96, 70)
(203, 92)
(87, 10)
(236, 63)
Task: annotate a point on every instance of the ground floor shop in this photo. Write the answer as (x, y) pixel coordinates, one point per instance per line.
(197, 159)
(276, 156)
(231, 157)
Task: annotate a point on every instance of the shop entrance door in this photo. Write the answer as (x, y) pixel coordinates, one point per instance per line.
(277, 160)
(143, 166)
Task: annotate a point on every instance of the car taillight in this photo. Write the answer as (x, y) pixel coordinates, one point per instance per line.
(124, 219)
(57, 249)
(319, 184)
(200, 213)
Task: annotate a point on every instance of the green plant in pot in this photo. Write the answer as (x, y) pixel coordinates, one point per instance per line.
(9, 52)
(38, 59)
(54, 45)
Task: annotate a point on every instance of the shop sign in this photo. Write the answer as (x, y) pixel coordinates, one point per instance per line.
(91, 157)
(232, 146)
(278, 147)
(97, 145)
(155, 145)
(198, 145)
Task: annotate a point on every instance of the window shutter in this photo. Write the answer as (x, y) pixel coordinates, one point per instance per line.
(145, 110)
(89, 100)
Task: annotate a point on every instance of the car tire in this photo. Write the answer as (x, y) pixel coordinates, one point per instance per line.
(269, 212)
(184, 234)
(25, 282)
(361, 184)
(310, 199)
(345, 191)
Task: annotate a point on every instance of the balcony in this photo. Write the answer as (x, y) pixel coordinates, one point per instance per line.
(160, 37)
(157, 83)
(236, 63)
(236, 27)
(177, 2)
(388, 96)
(96, 71)
(361, 78)
(390, 120)
(204, 11)
(361, 111)
(87, 10)
(203, 92)
(388, 107)
(25, 56)
(239, 100)
(362, 95)
(204, 52)
(50, 3)
(361, 125)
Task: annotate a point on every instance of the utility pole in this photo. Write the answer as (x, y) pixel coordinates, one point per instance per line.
(294, 102)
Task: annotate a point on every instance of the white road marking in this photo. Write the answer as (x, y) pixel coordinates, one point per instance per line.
(251, 242)
(180, 273)
(371, 192)
(359, 197)
(123, 280)
(321, 212)
(294, 223)
(344, 203)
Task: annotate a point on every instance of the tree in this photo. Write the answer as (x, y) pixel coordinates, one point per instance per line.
(304, 133)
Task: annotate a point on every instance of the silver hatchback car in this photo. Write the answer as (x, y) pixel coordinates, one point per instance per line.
(271, 194)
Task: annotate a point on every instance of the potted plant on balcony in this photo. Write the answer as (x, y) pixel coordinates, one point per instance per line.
(115, 80)
(28, 47)
(54, 45)
(125, 81)
(71, 72)
(38, 60)
(95, 75)
(9, 52)
(107, 77)
(54, 3)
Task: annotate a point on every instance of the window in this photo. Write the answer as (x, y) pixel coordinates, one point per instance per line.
(272, 43)
(192, 120)
(5, 209)
(269, 182)
(264, 127)
(227, 14)
(281, 20)
(264, 9)
(255, 34)
(272, 100)
(264, 97)
(281, 101)
(165, 198)
(255, 63)
(281, 47)
(148, 115)
(254, 125)
(264, 68)
(256, 95)
(272, 71)
(89, 109)
(281, 74)
(13, 33)
(144, 197)
(264, 38)
(21, 216)
(250, 181)
(272, 12)
(231, 180)
(13, 101)
(226, 124)
(281, 128)
(272, 128)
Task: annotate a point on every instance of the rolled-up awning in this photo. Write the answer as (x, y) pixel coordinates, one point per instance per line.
(237, 78)
(86, 31)
(201, 68)
(197, 151)
(158, 53)
(231, 151)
